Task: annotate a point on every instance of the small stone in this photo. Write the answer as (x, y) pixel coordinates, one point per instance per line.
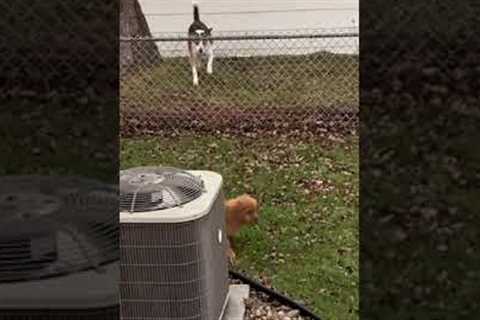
(293, 313)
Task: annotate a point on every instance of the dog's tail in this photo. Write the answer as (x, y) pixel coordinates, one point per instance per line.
(196, 11)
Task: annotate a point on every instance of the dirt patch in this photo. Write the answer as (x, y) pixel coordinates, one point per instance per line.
(136, 120)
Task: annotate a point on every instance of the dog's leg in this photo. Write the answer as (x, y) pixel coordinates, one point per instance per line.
(231, 242)
(231, 256)
(230, 252)
(210, 60)
(193, 63)
(195, 74)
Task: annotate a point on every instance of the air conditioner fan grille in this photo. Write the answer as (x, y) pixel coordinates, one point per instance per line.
(53, 226)
(156, 188)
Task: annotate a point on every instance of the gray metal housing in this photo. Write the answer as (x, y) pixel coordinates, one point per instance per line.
(175, 270)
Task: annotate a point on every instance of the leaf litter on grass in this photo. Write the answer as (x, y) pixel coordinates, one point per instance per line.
(299, 236)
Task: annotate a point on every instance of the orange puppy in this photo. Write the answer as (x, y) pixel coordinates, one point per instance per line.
(240, 211)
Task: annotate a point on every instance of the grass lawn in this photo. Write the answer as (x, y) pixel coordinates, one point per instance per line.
(307, 240)
(321, 79)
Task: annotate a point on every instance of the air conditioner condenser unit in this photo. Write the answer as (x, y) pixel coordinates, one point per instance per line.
(58, 249)
(172, 243)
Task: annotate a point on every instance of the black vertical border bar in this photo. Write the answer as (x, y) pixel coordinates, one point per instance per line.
(419, 160)
(59, 104)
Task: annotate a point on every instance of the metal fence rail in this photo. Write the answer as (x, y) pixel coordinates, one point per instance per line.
(283, 81)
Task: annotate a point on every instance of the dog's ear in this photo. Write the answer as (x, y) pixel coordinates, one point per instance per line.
(232, 205)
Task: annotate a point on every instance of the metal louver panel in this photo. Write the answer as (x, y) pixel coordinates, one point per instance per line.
(174, 270)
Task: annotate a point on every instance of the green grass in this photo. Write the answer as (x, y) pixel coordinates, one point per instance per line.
(307, 239)
(321, 79)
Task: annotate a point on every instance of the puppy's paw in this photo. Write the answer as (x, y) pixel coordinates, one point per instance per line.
(231, 256)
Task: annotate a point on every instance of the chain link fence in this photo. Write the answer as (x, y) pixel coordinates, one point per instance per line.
(59, 87)
(290, 80)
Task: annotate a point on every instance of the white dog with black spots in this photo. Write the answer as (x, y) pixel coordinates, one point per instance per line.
(200, 46)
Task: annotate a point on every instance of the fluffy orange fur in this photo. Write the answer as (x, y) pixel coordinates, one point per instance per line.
(240, 211)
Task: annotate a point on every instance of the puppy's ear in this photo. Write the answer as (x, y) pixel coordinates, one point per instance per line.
(231, 205)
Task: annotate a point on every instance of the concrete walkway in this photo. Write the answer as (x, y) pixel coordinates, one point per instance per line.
(235, 309)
